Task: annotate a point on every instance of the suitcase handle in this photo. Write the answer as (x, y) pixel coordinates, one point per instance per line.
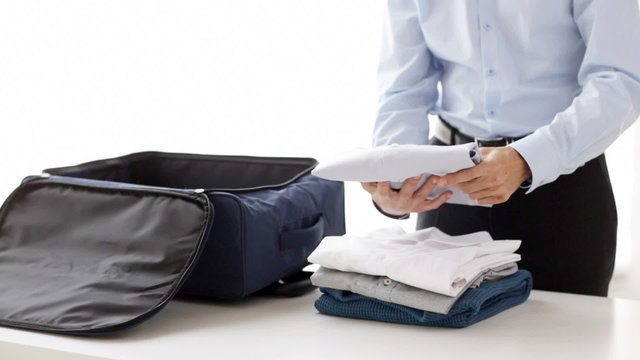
(308, 237)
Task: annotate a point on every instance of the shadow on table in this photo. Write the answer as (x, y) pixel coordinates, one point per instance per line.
(187, 314)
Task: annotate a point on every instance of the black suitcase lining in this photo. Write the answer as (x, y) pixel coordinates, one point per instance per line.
(81, 259)
(191, 171)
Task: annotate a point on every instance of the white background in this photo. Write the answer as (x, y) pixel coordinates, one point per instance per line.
(82, 80)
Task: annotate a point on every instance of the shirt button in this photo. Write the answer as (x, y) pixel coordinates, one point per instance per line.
(387, 282)
(491, 113)
(491, 72)
(487, 27)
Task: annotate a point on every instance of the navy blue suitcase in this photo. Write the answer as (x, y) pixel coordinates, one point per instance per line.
(270, 213)
(101, 247)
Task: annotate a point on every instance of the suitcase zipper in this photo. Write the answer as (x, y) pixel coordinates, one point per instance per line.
(110, 184)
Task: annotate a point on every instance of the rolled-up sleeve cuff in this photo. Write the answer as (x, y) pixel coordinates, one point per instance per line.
(541, 156)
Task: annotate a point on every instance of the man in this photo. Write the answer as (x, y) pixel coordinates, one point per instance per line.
(545, 86)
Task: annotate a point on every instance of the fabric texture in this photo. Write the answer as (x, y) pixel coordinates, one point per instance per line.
(474, 305)
(427, 259)
(396, 163)
(383, 288)
(564, 72)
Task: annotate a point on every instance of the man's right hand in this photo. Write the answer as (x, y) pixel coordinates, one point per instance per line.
(407, 199)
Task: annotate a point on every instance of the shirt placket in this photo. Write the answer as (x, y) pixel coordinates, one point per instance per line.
(488, 50)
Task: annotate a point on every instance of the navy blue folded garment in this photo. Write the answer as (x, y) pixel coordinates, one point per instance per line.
(491, 298)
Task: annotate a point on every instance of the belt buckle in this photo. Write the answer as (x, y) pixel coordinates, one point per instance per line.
(492, 142)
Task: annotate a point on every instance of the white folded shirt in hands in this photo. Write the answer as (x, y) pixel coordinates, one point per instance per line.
(397, 163)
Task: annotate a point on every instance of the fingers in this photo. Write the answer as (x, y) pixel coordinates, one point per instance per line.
(370, 187)
(488, 195)
(388, 199)
(479, 184)
(407, 199)
(491, 196)
(427, 188)
(461, 176)
(409, 187)
(421, 195)
(478, 178)
(486, 192)
(427, 205)
(493, 200)
(383, 188)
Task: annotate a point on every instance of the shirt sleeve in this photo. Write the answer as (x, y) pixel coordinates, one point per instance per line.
(407, 75)
(610, 98)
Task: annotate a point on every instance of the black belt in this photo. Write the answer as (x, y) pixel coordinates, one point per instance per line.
(452, 136)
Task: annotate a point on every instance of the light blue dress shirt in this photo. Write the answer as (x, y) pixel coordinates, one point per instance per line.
(564, 72)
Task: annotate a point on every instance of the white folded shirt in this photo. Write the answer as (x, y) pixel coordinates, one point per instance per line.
(427, 259)
(396, 163)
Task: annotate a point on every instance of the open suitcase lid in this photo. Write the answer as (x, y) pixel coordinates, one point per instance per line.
(88, 257)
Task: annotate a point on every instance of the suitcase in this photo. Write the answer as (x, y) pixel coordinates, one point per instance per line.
(270, 212)
(125, 235)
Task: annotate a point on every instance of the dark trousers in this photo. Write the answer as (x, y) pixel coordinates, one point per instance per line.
(568, 229)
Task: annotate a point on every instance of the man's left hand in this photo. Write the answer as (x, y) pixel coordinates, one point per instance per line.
(495, 179)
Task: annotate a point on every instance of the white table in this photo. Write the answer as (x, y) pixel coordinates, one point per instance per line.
(548, 326)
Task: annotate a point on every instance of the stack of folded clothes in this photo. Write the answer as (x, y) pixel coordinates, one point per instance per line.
(425, 278)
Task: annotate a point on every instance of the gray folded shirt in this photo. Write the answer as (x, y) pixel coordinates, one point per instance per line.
(385, 289)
